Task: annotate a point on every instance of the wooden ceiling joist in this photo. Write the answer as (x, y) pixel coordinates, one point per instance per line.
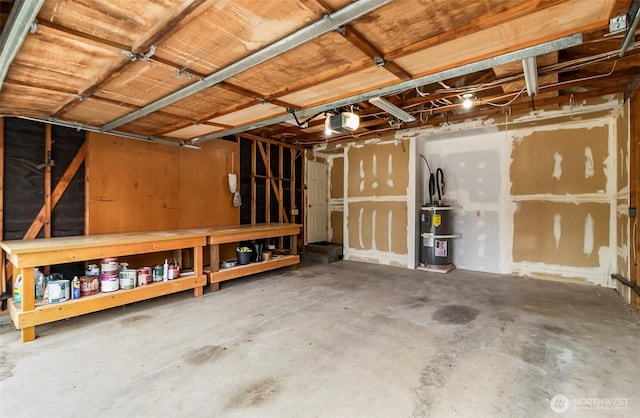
(193, 69)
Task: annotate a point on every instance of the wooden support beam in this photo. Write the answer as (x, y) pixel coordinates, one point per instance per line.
(47, 180)
(292, 185)
(62, 185)
(267, 187)
(280, 189)
(634, 191)
(254, 156)
(3, 279)
(273, 184)
(47, 186)
(1, 178)
(269, 141)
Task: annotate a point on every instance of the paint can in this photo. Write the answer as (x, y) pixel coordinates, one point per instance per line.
(59, 291)
(158, 272)
(144, 276)
(109, 281)
(128, 279)
(174, 270)
(89, 285)
(92, 270)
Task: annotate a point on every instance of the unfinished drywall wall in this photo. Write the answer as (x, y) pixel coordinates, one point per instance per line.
(634, 191)
(561, 233)
(336, 197)
(336, 177)
(376, 202)
(336, 231)
(543, 194)
(560, 161)
(475, 179)
(378, 170)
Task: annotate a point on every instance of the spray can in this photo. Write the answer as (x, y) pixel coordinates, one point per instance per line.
(75, 288)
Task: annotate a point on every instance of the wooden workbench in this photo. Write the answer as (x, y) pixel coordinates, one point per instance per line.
(232, 234)
(25, 255)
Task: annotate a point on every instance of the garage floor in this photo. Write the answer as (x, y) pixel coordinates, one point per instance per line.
(339, 340)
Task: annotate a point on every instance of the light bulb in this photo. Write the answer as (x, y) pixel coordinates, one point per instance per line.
(466, 102)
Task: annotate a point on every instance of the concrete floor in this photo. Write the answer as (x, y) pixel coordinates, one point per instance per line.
(340, 340)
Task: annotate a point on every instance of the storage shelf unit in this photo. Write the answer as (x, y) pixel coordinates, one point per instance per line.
(25, 255)
(226, 235)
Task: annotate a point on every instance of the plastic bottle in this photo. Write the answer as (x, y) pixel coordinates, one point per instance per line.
(165, 272)
(75, 288)
(40, 284)
(17, 289)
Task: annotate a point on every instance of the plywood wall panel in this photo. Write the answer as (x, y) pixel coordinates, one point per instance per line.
(205, 198)
(138, 186)
(562, 161)
(131, 185)
(378, 170)
(558, 233)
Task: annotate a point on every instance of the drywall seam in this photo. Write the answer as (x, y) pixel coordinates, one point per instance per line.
(357, 199)
(376, 256)
(564, 198)
(589, 170)
(521, 133)
(486, 125)
(595, 275)
(557, 229)
(611, 171)
(507, 208)
(345, 206)
(412, 207)
(557, 166)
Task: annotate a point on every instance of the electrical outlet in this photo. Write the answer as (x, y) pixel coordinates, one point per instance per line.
(294, 211)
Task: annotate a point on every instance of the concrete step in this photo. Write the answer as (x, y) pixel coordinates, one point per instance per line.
(329, 248)
(317, 257)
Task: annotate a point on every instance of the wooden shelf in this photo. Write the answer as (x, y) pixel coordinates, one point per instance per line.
(223, 235)
(53, 312)
(252, 268)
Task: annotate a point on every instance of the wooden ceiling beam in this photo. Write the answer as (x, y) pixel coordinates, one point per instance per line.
(166, 29)
(361, 42)
(473, 26)
(248, 93)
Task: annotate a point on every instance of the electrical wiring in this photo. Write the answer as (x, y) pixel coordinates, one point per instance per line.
(509, 102)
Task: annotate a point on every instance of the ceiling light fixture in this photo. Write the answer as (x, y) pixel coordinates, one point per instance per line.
(391, 109)
(530, 68)
(467, 100)
(342, 122)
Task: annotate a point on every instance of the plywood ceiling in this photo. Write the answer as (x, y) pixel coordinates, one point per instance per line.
(94, 62)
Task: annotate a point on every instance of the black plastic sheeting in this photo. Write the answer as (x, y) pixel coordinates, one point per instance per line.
(24, 158)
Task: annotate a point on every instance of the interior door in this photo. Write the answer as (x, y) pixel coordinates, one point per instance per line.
(317, 211)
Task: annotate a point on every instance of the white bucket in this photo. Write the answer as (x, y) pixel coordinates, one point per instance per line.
(59, 291)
